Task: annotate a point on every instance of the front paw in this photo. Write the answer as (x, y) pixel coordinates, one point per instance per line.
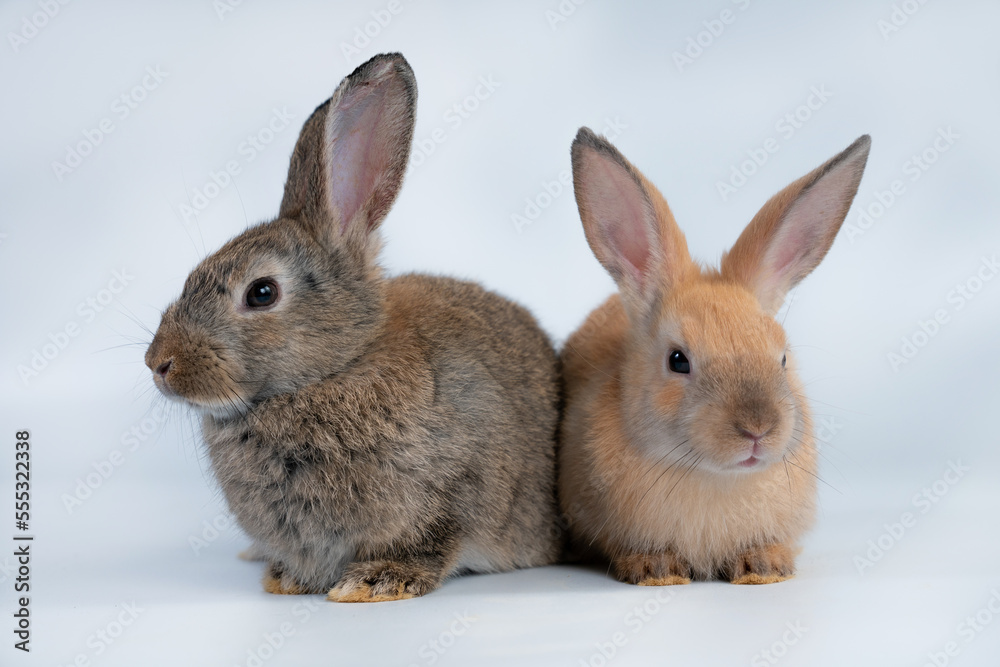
(382, 581)
(766, 564)
(663, 568)
(278, 582)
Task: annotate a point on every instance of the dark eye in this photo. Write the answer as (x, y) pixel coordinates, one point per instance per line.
(783, 360)
(262, 293)
(678, 363)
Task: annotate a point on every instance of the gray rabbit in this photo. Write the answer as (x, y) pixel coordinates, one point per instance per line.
(372, 436)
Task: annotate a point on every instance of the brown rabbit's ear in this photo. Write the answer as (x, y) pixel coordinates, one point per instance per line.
(351, 156)
(627, 222)
(792, 233)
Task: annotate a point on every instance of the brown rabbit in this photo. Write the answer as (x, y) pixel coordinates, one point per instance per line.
(372, 436)
(686, 450)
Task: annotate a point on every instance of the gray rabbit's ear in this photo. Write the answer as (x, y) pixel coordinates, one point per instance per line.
(792, 233)
(351, 156)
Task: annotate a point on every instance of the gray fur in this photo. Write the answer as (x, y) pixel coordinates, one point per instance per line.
(372, 436)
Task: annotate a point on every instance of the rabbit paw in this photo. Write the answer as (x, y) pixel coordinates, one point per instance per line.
(767, 564)
(277, 582)
(383, 580)
(664, 568)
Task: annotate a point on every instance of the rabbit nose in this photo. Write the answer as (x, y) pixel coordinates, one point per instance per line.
(753, 436)
(164, 368)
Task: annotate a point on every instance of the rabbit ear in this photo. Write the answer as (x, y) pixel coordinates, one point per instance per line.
(351, 156)
(792, 233)
(627, 221)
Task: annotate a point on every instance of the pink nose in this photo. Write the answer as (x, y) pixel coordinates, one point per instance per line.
(752, 436)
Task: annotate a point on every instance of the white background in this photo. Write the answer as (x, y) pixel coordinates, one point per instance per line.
(143, 533)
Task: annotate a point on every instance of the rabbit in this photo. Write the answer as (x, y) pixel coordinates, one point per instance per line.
(371, 435)
(686, 448)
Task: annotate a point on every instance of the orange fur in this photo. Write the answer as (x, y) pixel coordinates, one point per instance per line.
(276, 583)
(710, 473)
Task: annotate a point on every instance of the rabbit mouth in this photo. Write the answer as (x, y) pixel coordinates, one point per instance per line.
(165, 389)
(755, 456)
(182, 376)
(754, 463)
(227, 408)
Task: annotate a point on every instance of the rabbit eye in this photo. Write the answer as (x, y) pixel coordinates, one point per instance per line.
(678, 363)
(262, 293)
(783, 360)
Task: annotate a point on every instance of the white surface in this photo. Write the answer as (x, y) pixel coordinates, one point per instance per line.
(893, 432)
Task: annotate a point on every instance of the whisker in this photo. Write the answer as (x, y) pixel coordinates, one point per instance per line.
(685, 474)
(815, 475)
